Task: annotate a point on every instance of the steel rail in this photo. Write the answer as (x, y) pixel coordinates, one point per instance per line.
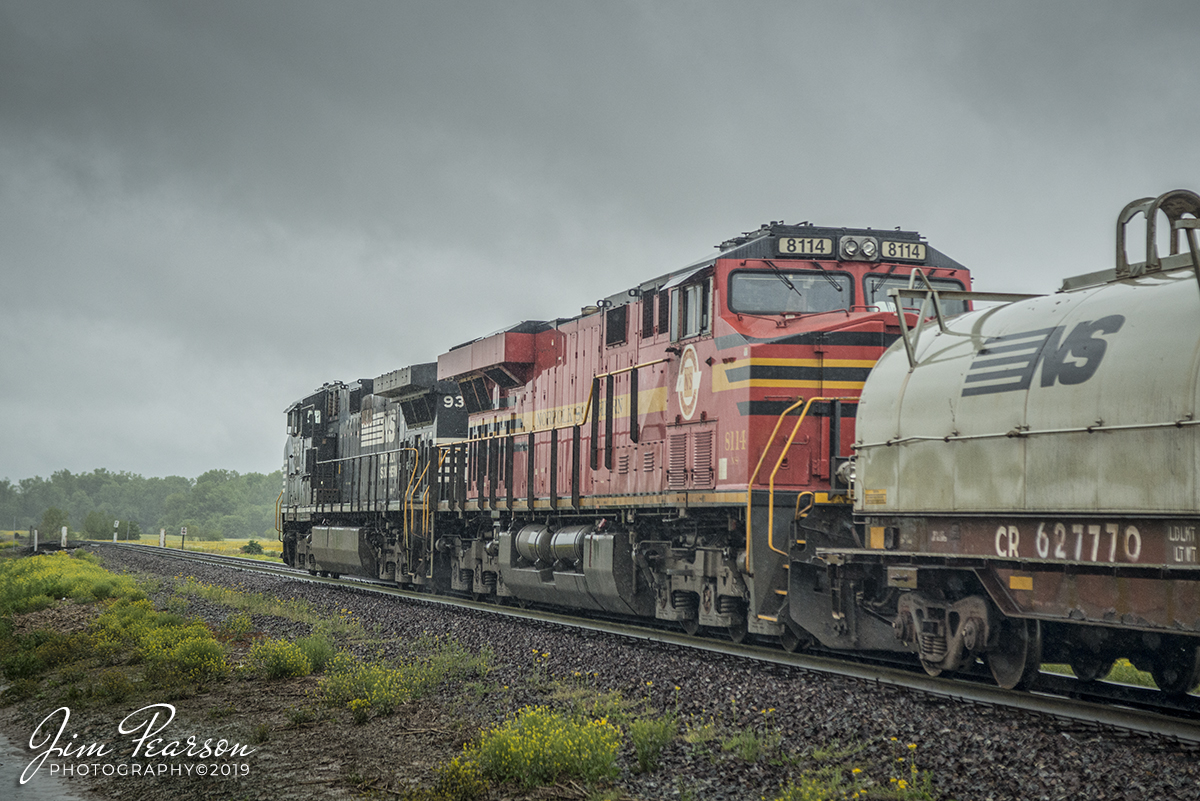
(1071, 701)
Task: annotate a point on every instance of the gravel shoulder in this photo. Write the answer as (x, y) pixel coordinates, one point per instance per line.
(304, 750)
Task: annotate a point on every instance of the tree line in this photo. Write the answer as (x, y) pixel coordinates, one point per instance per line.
(215, 505)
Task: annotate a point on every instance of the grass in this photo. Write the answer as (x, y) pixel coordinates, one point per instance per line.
(230, 546)
(569, 730)
(271, 606)
(1123, 672)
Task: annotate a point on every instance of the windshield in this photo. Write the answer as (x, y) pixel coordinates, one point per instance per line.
(789, 292)
(877, 287)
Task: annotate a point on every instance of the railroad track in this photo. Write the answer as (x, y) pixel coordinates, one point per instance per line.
(1095, 705)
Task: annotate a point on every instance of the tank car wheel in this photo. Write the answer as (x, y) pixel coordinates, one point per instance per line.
(1014, 661)
(737, 630)
(1089, 665)
(312, 572)
(690, 626)
(1176, 668)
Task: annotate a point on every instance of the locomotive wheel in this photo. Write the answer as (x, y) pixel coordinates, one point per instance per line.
(690, 626)
(1089, 665)
(931, 668)
(1014, 662)
(792, 641)
(1176, 668)
(737, 630)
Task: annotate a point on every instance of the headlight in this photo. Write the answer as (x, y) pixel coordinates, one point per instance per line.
(858, 248)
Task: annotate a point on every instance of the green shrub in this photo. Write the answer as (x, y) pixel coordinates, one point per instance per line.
(318, 647)
(22, 665)
(236, 626)
(459, 780)
(540, 746)
(252, 547)
(27, 585)
(279, 659)
(113, 686)
(381, 686)
(649, 736)
(199, 659)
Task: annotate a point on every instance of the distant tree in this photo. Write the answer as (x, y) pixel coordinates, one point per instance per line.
(98, 524)
(52, 522)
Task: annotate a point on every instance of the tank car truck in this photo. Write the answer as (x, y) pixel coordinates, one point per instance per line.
(1026, 478)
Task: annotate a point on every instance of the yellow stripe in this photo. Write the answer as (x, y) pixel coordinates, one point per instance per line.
(721, 382)
(650, 401)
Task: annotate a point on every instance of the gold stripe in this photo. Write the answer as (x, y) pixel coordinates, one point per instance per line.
(721, 382)
(1020, 582)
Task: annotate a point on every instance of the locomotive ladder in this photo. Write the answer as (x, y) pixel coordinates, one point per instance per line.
(771, 483)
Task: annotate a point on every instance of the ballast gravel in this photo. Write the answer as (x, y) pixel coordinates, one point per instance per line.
(969, 752)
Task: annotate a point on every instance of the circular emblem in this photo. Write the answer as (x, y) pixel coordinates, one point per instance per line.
(687, 386)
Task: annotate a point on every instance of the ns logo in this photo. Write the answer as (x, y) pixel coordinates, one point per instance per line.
(1010, 362)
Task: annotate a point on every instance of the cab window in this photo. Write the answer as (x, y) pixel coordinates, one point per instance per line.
(877, 287)
(789, 292)
(690, 310)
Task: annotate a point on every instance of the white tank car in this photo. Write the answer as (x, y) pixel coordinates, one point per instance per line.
(1082, 401)
(1044, 454)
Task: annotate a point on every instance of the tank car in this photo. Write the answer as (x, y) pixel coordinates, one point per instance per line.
(668, 453)
(1026, 478)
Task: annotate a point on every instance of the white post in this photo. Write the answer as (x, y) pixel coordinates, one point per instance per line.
(64, 536)
(162, 538)
(116, 523)
(35, 539)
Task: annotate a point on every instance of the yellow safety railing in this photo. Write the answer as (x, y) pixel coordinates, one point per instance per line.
(771, 483)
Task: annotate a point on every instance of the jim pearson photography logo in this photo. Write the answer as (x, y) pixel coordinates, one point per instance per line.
(158, 754)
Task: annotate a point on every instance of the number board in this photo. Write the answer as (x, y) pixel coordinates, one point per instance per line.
(805, 246)
(902, 251)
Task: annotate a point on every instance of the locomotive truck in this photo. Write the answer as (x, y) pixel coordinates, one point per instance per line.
(701, 450)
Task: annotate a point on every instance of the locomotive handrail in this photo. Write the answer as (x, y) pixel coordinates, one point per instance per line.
(771, 484)
(1019, 433)
(587, 408)
(279, 516)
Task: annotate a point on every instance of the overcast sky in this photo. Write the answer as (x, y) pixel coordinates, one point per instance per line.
(208, 209)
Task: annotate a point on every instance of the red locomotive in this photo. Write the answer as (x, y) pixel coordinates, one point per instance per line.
(664, 454)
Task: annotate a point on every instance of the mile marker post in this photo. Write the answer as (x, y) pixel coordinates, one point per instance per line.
(116, 524)
(182, 536)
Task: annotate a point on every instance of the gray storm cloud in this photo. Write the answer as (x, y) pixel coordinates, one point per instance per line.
(208, 209)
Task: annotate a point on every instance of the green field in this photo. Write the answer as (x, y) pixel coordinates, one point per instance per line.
(272, 549)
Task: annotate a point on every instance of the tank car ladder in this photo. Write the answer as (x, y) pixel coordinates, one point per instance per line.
(1173, 205)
